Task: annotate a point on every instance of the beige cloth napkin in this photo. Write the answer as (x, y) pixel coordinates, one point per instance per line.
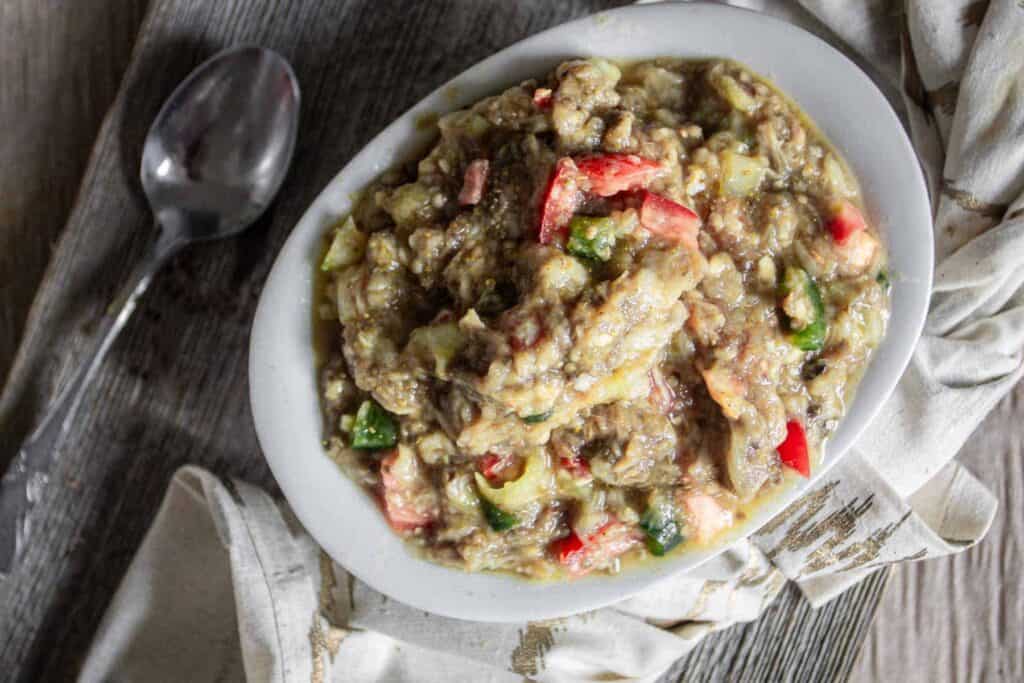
(227, 586)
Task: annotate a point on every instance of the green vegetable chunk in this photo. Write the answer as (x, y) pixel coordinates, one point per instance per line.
(661, 529)
(883, 279)
(591, 237)
(800, 292)
(373, 428)
(539, 417)
(496, 517)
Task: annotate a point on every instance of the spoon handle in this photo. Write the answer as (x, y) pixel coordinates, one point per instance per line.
(28, 473)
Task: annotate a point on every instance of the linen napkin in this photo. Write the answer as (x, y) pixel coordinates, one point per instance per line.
(226, 584)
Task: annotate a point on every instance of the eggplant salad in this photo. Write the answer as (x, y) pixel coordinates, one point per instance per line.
(607, 312)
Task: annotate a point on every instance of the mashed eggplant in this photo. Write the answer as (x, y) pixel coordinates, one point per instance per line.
(603, 314)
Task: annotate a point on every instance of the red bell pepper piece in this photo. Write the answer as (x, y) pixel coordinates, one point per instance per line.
(579, 555)
(561, 198)
(542, 98)
(668, 219)
(611, 174)
(567, 549)
(846, 220)
(793, 450)
(473, 182)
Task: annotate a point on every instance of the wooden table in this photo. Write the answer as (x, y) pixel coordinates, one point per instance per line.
(174, 390)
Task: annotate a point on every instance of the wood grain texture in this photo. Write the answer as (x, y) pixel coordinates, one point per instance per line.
(961, 618)
(174, 389)
(56, 84)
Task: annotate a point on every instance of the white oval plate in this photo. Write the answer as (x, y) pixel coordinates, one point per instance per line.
(844, 103)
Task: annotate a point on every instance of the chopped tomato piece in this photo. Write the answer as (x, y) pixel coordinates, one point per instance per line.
(401, 513)
(707, 516)
(542, 98)
(562, 197)
(846, 220)
(793, 450)
(580, 555)
(473, 182)
(575, 465)
(669, 219)
(611, 174)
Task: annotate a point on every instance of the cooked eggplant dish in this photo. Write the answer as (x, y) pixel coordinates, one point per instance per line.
(606, 313)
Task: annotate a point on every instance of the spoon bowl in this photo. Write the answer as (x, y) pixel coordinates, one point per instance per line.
(219, 149)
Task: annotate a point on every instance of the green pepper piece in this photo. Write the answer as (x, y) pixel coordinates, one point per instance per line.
(496, 517)
(373, 428)
(539, 417)
(810, 337)
(662, 532)
(591, 237)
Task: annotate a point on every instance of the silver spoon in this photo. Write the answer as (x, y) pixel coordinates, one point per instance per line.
(212, 161)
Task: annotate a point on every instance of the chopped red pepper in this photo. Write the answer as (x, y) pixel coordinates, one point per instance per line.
(669, 219)
(793, 450)
(575, 465)
(846, 220)
(567, 549)
(610, 174)
(562, 197)
(542, 98)
(473, 182)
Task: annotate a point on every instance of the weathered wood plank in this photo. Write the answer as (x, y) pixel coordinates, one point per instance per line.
(174, 390)
(56, 84)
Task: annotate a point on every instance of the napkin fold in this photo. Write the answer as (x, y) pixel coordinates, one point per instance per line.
(227, 585)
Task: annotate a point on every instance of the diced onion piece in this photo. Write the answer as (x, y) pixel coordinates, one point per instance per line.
(441, 342)
(347, 247)
(734, 93)
(741, 175)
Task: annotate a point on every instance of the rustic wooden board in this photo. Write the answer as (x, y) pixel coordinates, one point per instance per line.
(56, 83)
(174, 390)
